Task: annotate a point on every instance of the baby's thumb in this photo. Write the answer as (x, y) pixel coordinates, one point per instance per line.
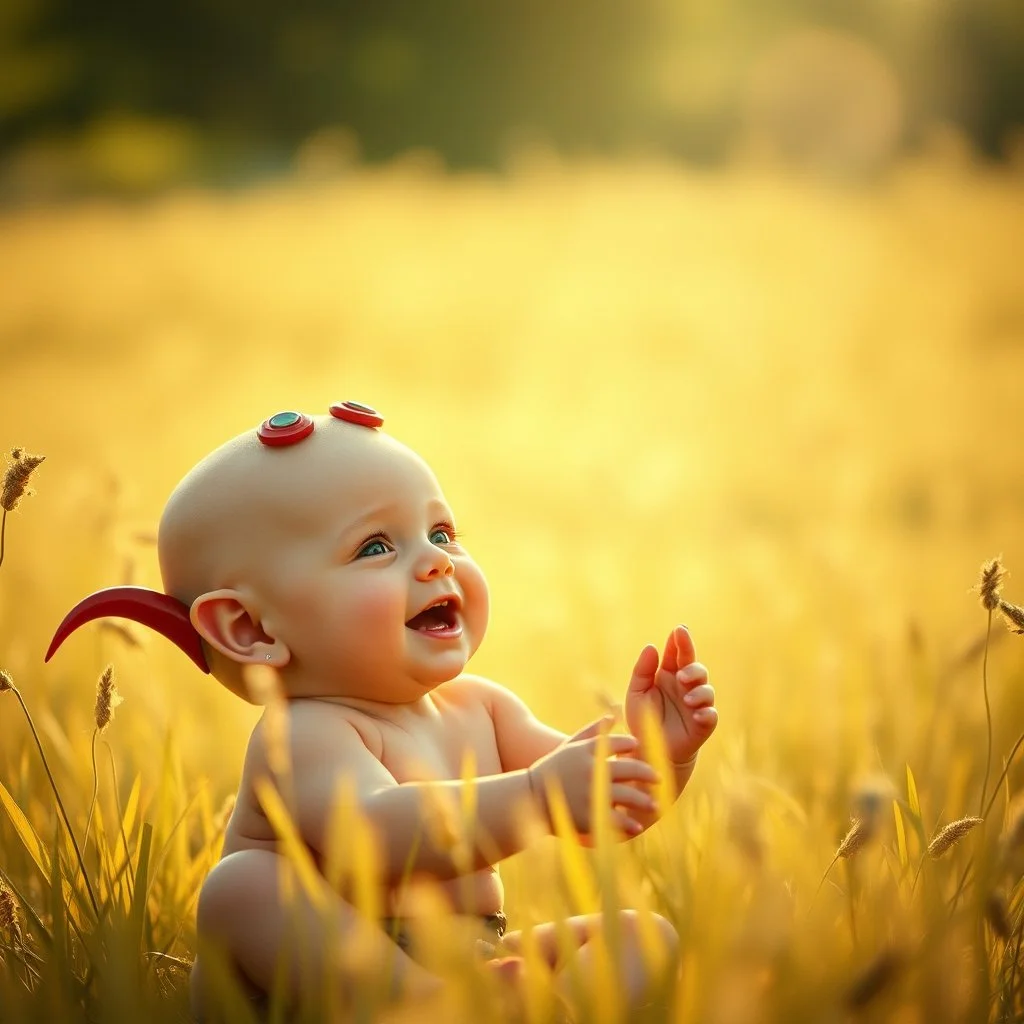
(594, 728)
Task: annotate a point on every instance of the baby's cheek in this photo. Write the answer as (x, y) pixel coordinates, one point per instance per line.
(377, 608)
(477, 598)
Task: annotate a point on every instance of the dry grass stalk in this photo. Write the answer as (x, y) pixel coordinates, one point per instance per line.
(441, 822)
(1014, 615)
(8, 684)
(107, 698)
(875, 978)
(223, 816)
(265, 688)
(608, 704)
(1013, 835)
(997, 913)
(861, 830)
(951, 834)
(969, 654)
(992, 575)
(21, 468)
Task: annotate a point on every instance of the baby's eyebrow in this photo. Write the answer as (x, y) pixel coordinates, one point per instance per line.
(440, 508)
(435, 507)
(377, 512)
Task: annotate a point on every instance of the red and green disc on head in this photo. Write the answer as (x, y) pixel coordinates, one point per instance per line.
(166, 614)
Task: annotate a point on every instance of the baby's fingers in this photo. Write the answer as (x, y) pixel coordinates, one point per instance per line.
(594, 728)
(618, 743)
(630, 796)
(625, 824)
(700, 696)
(631, 769)
(692, 675)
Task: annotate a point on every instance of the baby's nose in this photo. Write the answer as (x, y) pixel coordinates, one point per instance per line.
(437, 563)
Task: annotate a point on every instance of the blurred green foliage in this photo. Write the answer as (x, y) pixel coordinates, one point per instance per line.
(229, 88)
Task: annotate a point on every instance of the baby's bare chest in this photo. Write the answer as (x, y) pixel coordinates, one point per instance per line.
(462, 745)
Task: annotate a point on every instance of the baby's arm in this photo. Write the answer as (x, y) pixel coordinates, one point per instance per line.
(522, 739)
(325, 755)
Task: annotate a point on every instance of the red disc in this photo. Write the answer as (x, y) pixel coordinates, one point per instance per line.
(285, 428)
(356, 412)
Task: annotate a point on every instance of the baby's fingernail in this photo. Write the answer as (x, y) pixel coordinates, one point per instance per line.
(690, 698)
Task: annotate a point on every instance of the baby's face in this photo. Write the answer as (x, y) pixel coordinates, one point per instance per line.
(367, 586)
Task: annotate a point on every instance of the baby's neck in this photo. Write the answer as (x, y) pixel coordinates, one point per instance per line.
(419, 709)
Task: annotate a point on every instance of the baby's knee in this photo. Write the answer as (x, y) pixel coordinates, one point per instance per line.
(638, 925)
(235, 917)
(239, 883)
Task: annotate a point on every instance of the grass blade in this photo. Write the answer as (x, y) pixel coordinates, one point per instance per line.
(26, 833)
(140, 891)
(901, 835)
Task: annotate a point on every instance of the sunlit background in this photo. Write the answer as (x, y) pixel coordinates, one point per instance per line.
(703, 312)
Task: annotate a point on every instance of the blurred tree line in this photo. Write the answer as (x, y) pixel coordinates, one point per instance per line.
(224, 88)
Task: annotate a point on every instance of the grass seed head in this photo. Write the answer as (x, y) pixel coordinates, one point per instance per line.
(992, 574)
(861, 830)
(1014, 615)
(8, 908)
(107, 698)
(951, 834)
(6, 682)
(20, 468)
(9, 921)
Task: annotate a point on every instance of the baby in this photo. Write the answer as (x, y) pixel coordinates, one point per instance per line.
(325, 549)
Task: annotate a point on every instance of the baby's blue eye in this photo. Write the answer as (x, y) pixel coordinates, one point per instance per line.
(441, 536)
(373, 547)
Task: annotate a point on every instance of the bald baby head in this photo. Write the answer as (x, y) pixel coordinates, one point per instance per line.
(246, 499)
(318, 548)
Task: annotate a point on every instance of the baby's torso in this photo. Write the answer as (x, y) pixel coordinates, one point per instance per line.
(457, 739)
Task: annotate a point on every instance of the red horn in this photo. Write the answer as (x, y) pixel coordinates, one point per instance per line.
(165, 614)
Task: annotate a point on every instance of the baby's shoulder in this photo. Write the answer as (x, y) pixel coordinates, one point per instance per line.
(312, 728)
(470, 692)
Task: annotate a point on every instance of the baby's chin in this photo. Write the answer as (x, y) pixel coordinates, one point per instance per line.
(441, 668)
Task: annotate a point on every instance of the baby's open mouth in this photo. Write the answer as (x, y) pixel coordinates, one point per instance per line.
(441, 617)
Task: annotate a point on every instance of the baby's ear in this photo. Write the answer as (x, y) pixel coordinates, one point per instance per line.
(223, 621)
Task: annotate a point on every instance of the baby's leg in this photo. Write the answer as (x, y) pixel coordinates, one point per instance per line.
(637, 977)
(242, 911)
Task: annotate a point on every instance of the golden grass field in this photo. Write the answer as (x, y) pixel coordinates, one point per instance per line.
(786, 414)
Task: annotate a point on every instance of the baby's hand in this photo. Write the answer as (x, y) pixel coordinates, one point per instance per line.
(679, 694)
(571, 767)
